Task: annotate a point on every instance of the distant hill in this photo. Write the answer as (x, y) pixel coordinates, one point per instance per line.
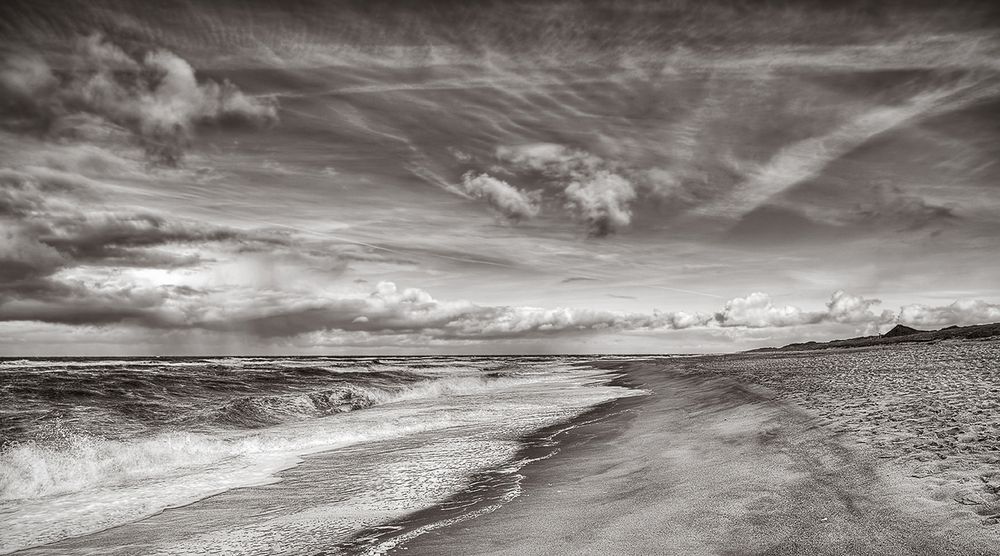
(900, 330)
(900, 334)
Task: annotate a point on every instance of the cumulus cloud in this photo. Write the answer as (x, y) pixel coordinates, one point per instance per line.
(594, 191)
(603, 200)
(389, 310)
(757, 311)
(846, 308)
(508, 201)
(156, 96)
(966, 311)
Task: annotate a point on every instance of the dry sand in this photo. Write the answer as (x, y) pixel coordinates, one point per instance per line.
(932, 411)
(848, 452)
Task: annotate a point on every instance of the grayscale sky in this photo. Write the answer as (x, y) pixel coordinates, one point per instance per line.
(493, 177)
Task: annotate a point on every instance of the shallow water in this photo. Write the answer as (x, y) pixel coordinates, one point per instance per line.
(93, 444)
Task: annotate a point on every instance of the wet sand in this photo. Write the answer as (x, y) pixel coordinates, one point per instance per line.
(711, 463)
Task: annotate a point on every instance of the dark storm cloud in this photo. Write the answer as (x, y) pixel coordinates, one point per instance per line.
(44, 216)
(76, 304)
(52, 222)
(155, 95)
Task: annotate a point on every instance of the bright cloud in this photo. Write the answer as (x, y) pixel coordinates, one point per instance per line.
(966, 311)
(507, 200)
(594, 191)
(757, 311)
(846, 308)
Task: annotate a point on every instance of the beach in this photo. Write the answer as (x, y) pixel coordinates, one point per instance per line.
(878, 450)
(714, 462)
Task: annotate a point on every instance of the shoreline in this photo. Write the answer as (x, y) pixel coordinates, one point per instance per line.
(703, 465)
(322, 499)
(490, 489)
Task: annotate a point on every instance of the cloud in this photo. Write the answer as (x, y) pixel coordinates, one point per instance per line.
(556, 160)
(882, 206)
(507, 200)
(594, 191)
(961, 312)
(400, 316)
(806, 159)
(577, 279)
(76, 303)
(23, 258)
(758, 311)
(602, 200)
(23, 76)
(391, 311)
(156, 96)
(904, 211)
(846, 308)
(52, 220)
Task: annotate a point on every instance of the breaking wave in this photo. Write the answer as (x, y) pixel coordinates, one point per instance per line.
(91, 444)
(261, 411)
(77, 462)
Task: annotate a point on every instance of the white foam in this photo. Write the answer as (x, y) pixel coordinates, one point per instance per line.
(87, 484)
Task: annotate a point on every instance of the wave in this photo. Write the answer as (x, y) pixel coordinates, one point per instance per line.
(90, 484)
(240, 428)
(267, 410)
(78, 462)
(262, 411)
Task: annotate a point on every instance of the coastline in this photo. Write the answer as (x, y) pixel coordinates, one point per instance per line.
(704, 465)
(491, 489)
(429, 448)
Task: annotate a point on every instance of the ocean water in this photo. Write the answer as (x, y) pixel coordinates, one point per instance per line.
(254, 455)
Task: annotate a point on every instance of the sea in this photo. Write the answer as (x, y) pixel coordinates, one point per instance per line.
(268, 455)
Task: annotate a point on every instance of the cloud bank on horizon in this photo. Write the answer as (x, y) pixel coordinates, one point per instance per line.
(565, 176)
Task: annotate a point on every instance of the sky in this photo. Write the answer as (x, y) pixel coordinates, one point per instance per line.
(222, 177)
